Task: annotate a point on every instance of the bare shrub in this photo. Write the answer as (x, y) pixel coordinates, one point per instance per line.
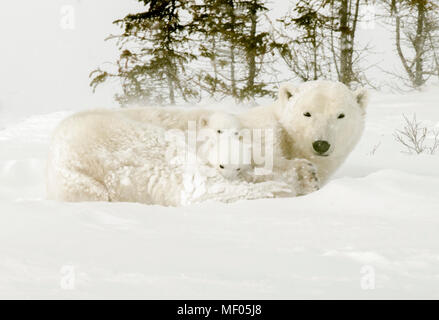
(414, 137)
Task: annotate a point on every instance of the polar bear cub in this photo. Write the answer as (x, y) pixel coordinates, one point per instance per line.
(222, 145)
(225, 148)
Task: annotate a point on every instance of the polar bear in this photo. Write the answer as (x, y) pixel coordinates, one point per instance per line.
(321, 121)
(102, 155)
(318, 121)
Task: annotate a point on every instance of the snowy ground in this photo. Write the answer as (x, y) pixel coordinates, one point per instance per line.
(378, 219)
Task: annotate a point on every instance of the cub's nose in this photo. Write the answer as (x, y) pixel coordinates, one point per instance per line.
(321, 146)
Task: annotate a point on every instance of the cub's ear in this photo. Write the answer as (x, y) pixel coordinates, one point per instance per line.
(286, 91)
(362, 97)
(203, 122)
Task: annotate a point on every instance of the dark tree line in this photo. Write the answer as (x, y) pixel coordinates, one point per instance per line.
(187, 49)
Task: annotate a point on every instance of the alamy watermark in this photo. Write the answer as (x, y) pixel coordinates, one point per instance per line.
(252, 147)
(68, 277)
(67, 17)
(367, 281)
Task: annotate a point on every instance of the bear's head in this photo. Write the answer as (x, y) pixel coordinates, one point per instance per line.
(221, 144)
(323, 118)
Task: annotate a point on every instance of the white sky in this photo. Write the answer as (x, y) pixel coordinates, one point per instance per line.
(44, 68)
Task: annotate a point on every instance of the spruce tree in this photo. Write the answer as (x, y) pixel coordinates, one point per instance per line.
(154, 55)
(255, 45)
(301, 41)
(318, 40)
(215, 27)
(231, 40)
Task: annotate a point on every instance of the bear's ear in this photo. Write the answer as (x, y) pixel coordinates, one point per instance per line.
(203, 121)
(286, 91)
(362, 97)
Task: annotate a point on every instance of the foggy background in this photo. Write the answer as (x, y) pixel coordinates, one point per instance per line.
(45, 67)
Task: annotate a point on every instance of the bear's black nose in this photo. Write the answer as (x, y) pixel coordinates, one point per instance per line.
(321, 146)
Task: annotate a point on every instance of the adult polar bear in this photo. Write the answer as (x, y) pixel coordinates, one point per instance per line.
(320, 121)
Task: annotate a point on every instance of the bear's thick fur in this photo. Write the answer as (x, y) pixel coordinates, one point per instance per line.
(294, 133)
(120, 155)
(102, 155)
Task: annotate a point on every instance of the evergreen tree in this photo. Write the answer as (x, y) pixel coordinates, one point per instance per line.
(234, 45)
(301, 39)
(317, 40)
(217, 25)
(218, 47)
(154, 55)
(256, 46)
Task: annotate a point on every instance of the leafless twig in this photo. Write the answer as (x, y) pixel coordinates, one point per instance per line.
(414, 137)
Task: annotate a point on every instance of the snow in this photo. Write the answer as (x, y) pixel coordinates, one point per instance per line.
(377, 220)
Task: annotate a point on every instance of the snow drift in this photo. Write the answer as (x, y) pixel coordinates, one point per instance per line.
(371, 232)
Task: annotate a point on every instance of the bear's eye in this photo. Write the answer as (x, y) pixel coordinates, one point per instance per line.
(307, 114)
(220, 131)
(238, 169)
(341, 116)
(236, 133)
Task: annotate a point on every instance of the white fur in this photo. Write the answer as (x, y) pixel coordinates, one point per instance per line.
(119, 155)
(293, 133)
(103, 155)
(223, 148)
(325, 101)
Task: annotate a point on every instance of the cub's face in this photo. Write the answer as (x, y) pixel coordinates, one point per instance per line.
(325, 118)
(228, 154)
(222, 146)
